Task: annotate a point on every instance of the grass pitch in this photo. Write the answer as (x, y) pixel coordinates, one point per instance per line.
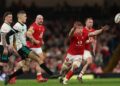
(73, 82)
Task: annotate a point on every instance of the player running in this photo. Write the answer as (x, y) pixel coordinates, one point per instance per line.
(87, 57)
(6, 52)
(35, 34)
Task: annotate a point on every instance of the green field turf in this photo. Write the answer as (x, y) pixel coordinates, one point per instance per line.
(55, 82)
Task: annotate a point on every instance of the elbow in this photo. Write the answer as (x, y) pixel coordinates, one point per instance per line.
(28, 34)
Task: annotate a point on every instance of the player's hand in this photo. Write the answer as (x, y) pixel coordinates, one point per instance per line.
(37, 42)
(42, 42)
(106, 27)
(3, 64)
(10, 48)
(5, 52)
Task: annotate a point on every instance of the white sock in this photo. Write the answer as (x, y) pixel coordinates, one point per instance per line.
(39, 73)
(81, 74)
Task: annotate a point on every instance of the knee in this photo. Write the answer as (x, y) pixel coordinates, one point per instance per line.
(42, 57)
(25, 68)
(36, 58)
(64, 66)
(75, 65)
(5, 51)
(89, 61)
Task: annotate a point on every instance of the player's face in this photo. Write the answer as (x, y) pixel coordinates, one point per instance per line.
(79, 29)
(40, 20)
(24, 18)
(89, 23)
(9, 18)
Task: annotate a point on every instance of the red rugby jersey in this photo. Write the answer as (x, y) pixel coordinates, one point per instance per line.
(38, 35)
(88, 45)
(77, 43)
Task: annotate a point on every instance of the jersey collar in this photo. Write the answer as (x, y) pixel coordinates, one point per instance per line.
(20, 23)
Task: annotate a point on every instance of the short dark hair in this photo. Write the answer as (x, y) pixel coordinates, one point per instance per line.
(6, 14)
(88, 18)
(21, 12)
(77, 23)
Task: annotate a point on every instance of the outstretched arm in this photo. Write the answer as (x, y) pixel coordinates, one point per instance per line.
(97, 32)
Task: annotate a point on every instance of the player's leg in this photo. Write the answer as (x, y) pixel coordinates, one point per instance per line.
(76, 63)
(26, 52)
(22, 66)
(39, 74)
(11, 66)
(37, 68)
(88, 60)
(65, 67)
(1, 68)
(4, 54)
(40, 53)
(13, 52)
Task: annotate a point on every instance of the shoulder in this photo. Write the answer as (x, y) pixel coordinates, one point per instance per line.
(25, 25)
(5, 27)
(85, 29)
(33, 24)
(16, 26)
(43, 27)
(92, 29)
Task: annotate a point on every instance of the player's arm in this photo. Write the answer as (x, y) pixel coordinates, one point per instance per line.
(10, 33)
(71, 32)
(14, 52)
(94, 46)
(97, 32)
(73, 29)
(30, 35)
(3, 38)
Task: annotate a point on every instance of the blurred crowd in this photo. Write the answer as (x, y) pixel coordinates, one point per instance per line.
(117, 68)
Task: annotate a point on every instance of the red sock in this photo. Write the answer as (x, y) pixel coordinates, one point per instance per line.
(69, 74)
(39, 75)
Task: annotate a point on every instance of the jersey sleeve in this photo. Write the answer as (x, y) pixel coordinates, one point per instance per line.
(4, 29)
(31, 28)
(17, 27)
